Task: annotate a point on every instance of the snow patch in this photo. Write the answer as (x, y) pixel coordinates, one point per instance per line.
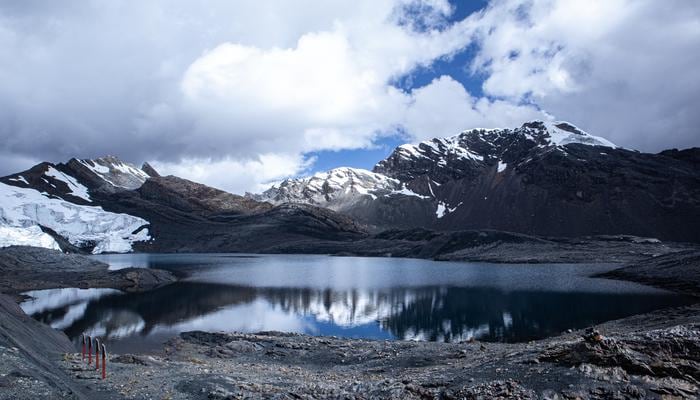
(444, 209)
(116, 172)
(19, 179)
(502, 166)
(408, 192)
(76, 188)
(561, 137)
(440, 212)
(29, 236)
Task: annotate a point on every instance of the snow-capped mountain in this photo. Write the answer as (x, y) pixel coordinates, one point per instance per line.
(468, 152)
(446, 158)
(107, 205)
(541, 178)
(547, 178)
(77, 180)
(335, 189)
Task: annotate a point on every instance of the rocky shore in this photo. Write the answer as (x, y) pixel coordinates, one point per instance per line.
(24, 268)
(655, 355)
(492, 246)
(640, 357)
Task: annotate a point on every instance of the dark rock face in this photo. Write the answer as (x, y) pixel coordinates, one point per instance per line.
(189, 217)
(582, 193)
(148, 169)
(189, 196)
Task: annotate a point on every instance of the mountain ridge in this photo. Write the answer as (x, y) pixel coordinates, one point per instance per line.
(542, 178)
(546, 179)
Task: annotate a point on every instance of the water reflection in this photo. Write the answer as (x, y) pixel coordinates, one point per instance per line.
(438, 313)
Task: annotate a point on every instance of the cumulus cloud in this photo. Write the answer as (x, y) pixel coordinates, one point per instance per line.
(240, 96)
(445, 108)
(249, 174)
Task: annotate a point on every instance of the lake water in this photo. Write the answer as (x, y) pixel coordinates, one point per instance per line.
(379, 298)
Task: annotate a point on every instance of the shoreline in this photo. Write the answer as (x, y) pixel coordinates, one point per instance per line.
(279, 365)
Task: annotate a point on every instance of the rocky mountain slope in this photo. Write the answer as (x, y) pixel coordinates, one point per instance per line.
(107, 205)
(548, 179)
(541, 178)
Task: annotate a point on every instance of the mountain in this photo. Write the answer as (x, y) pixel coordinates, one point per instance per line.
(367, 196)
(540, 178)
(107, 205)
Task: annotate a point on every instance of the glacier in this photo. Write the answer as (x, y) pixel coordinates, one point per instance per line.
(23, 211)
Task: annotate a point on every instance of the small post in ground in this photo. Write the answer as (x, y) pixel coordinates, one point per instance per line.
(89, 340)
(104, 362)
(82, 340)
(97, 354)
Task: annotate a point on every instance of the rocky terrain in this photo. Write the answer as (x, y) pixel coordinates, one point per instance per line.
(540, 193)
(491, 246)
(646, 357)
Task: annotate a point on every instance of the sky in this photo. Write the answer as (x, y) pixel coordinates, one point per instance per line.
(241, 94)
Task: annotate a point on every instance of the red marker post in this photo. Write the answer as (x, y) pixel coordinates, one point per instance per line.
(104, 362)
(97, 354)
(83, 342)
(89, 340)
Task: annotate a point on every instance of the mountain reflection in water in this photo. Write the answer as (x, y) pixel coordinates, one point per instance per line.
(436, 313)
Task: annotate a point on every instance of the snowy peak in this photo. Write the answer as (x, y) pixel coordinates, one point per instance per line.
(478, 144)
(466, 154)
(425, 166)
(324, 187)
(336, 189)
(115, 172)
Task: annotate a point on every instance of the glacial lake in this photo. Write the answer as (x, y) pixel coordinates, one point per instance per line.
(377, 298)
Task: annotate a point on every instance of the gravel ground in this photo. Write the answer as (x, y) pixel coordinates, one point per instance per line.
(632, 358)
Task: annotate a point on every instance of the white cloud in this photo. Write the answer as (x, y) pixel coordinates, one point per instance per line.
(236, 175)
(445, 108)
